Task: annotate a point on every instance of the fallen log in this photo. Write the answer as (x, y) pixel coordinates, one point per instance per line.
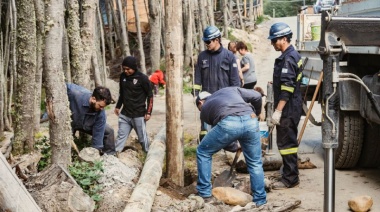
(275, 164)
(13, 194)
(143, 195)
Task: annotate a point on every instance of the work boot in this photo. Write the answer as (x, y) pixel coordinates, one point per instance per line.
(280, 185)
(209, 200)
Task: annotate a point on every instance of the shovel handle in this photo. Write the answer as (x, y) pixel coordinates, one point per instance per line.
(237, 155)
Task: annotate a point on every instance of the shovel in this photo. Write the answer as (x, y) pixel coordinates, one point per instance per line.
(265, 142)
(227, 176)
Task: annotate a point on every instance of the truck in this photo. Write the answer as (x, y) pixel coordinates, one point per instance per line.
(341, 46)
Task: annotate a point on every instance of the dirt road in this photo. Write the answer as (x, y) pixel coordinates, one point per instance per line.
(348, 183)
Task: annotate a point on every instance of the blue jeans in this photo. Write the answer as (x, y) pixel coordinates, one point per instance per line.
(232, 128)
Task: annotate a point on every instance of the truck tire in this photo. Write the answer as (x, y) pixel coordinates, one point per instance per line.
(350, 140)
(371, 147)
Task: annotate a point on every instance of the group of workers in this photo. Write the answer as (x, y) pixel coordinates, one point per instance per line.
(229, 108)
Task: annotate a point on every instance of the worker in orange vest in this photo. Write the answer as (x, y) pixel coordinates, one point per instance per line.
(156, 79)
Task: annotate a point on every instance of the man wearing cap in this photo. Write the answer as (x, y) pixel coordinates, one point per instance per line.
(216, 68)
(232, 112)
(136, 100)
(287, 102)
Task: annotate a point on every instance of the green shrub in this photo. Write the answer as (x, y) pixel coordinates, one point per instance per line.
(86, 174)
(43, 146)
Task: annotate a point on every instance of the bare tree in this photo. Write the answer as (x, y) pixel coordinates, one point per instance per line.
(26, 69)
(155, 33)
(174, 102)
(40, 18)
(225, 20)
(101, 48)
(76, 50)
(188, 29)
(56, 92)
(139, 36)
(109, 40)
(200, 27)
(124, 32)
(210, 12)
(251, 16)
(240, 15)
(202, 13)
(12, 62)
(87, 37)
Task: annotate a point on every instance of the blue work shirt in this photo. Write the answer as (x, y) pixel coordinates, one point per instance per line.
(230, 101)
(83, 119)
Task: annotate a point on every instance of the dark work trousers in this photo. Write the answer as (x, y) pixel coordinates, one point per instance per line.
(250, 85)
(108, 139)
(288, 146)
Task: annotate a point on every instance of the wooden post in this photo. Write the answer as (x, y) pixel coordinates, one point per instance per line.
(13, 194)
(174, 102)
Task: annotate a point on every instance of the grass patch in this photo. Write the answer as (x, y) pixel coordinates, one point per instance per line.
(261, 19)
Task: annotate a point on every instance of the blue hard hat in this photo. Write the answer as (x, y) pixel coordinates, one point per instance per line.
(211, 32)
(279, 29)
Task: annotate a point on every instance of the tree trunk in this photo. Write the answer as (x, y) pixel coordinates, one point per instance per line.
(116, 25)
(143, 195)
(13, 62)
(174, 113)
(202, 13)
(13, 194)
(95, 68)
(100, 48)
(139, 36)
(187, 20)
(155, 33)
(76, 50)
(200, 28)
(240, 16)
(66, 56)
(225, 21)
(251, 15)
(40, 18)
(87, 37)
(56, 93)
(210, 12)
(124, 32)
(26, 70)
(110, 42)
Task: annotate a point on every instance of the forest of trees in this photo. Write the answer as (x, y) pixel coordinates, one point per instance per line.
(45, 44)
(284, 8)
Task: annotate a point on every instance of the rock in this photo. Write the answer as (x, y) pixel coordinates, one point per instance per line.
(231, 196)
(360, 203)
(89, 154)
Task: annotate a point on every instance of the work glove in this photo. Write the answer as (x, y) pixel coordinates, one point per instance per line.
(276, 117)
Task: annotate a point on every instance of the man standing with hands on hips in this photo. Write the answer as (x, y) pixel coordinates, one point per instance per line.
(287, 102)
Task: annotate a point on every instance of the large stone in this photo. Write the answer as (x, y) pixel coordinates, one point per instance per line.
(360, 203)
(89, 154)
(231, 196)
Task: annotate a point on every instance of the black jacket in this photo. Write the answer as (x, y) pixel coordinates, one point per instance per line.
(136, 95)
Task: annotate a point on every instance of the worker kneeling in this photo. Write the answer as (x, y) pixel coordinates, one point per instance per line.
(232, 111)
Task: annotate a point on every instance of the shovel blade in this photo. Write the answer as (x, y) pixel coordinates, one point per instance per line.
(225, 179)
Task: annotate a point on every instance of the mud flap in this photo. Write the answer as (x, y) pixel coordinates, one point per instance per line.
(367, 110)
